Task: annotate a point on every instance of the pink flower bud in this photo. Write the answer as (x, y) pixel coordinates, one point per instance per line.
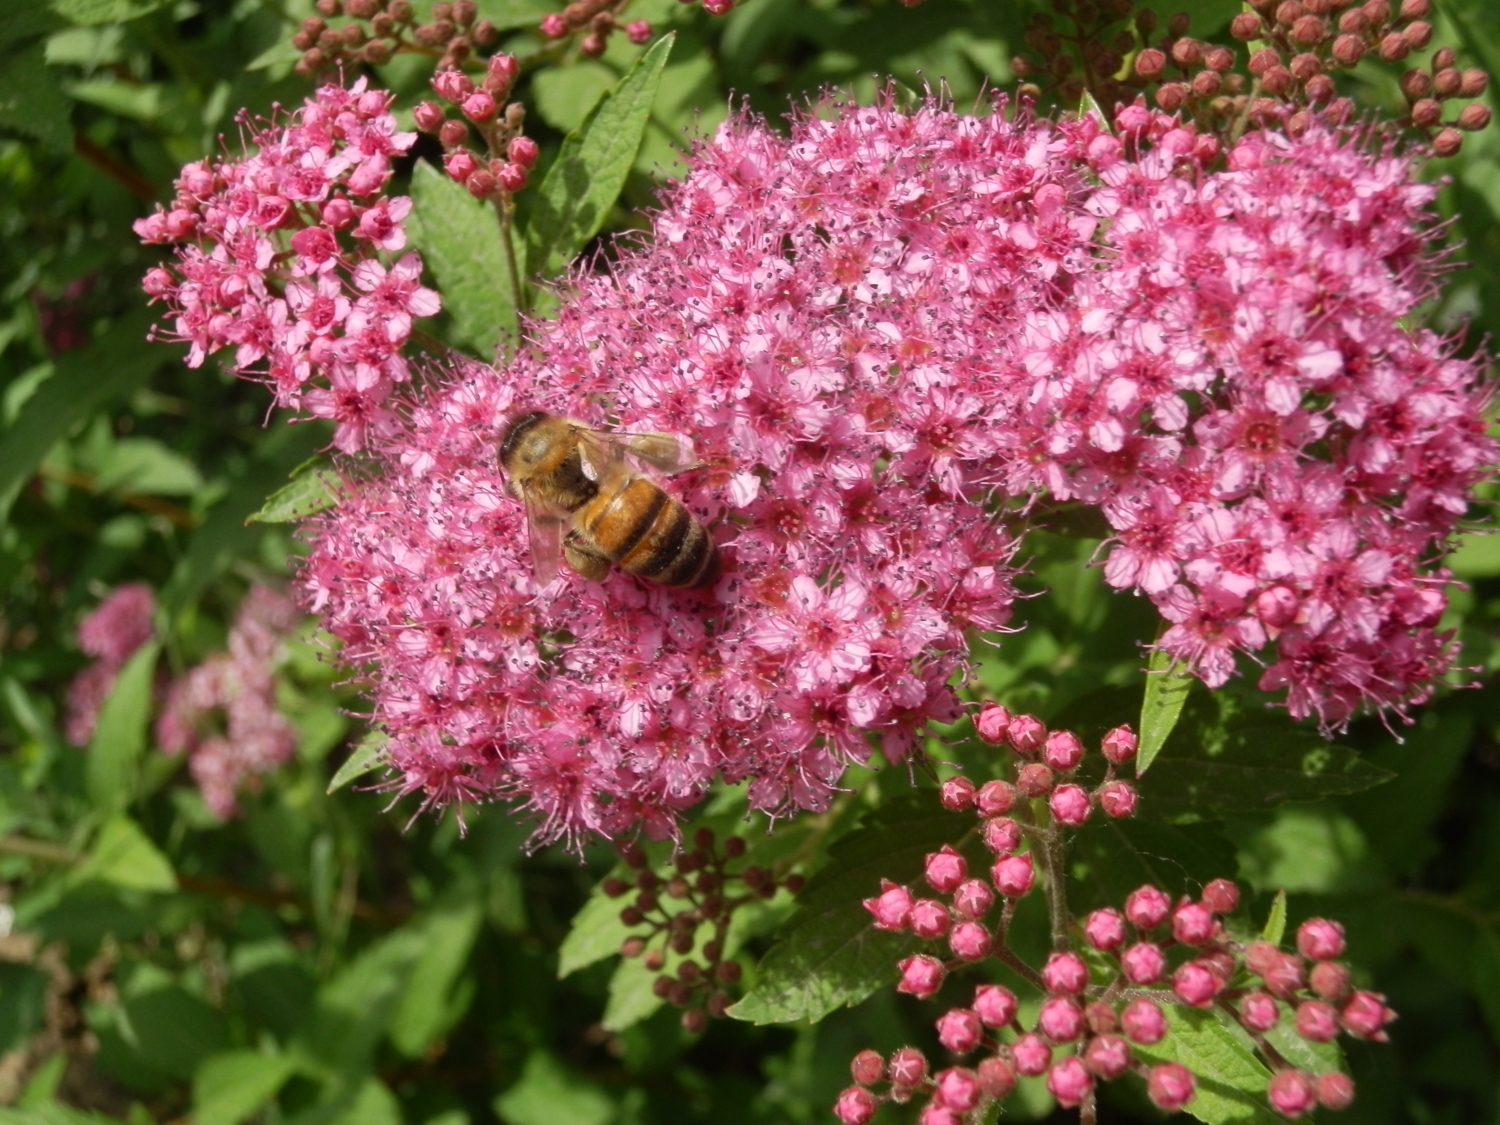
(1132, 120)
(522, 151)
(1118, 799)
(1060, 1019)
(1013, 875)
(1063, 751)
(997, 1078)
(1070, 1082)
(1001, 835)
(452, 85)
(1317, 1022)
(338, 213)
(1194, 924)
(158, 282)
(1143, 1022)
(1065, 974)
(995, 798)
(1284, 977)
(459, 164)
(1147, 907)
(1143, 963)
(1277, 607)
(993, 723)
(453, 134)
(1335, 1090)
(1365, 1015)
(959, 1030)
(1119, 745)
(891, 908)
(1108, 1056)
(1035, 780)
(969, 941)
(1032, 1054)
(957, 1089)
(500, 74)
(921, 976)
(1196, 984)
(973, 898)
(1293, 1093)
(429, 116)
(553, 26)
(957, 794)
(1171, 1086)
(638, 31)
(1259, 1011)
(929, 919)
(945, 870)
(908, 1067)
(867, 1068)
(935, 1113)
(512, 177)
(1105, 929)
(1319, 939)
(1329, 980)
(1101, 1016)
(856, 1106)
(1027, 733)
(1070, 805)
(995, 1004)
(1221, 896)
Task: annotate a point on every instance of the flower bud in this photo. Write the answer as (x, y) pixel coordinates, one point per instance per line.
(1447, 142)
(1196, 984)
(1035, 780)
(1259, 1011)
(1119, 745)
(522, 151)
(1317, 1022)
(1335, 1090)
(1150, 64)
(1194, 924)
(993, 723)
(1426, 112)
(891, 908)
(1013, 875)
(1171, 1086)
(957, 1089)
(1070, 1082)
(1473, 82)
(1247, 26)
(1330, 980)
(1292, 1093)
(969, 941)
(957, 794)
(973, 898)
(1060, 1019)
(553, 26)
(1108, 1056)
(997, 1078)
(1063, 751)
(1365, 1016)
(995, 1004)
(856, 1106)
(429, 116)
(1065, 974)
(908, 1067)
(921, 976)
(1147, 907)
(959, 1030)
(1027, 733)
(1070, 804)
(995, 798)
(929, 919)
(1221, 896)
(1105, 929)
(1473, 117)
(945, 870)
(1032, 1054)
(1002, 835)
(1143, 1022)
(1319, 939)
(1143, 963)
(1118, 799)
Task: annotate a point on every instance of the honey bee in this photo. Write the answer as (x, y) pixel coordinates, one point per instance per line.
(586, 503)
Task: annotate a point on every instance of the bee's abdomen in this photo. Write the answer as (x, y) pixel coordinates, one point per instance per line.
(649, 533)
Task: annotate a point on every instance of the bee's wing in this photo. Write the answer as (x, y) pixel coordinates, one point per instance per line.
(544, 531)
(666, 453)
(601, 453)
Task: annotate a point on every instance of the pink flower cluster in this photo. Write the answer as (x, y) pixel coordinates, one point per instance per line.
(283, 256)
(119, 625)
(1088, 1026)
(877, 330)
(223, 713)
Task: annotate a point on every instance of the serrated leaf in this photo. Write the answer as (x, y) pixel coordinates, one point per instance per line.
(124, 856)
(596, 933)
(363, 759)
(231, 1086)
(570, 205)
(105, 11)
(564, 95)
(315, 487)
(1275, 927)
(1223, 760)
(1108, 859)
(31, 101)
(461, 243)
(1231, 1080)
(112, 771)
(828, 955)
(1167, 687)
(82, 382)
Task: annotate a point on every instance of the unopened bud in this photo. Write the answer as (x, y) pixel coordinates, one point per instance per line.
(1448, 142)
(1473, 83)
(1394, 47)
(1417, 34)
(1247, 26)
(1473, 116)
(1426, 112)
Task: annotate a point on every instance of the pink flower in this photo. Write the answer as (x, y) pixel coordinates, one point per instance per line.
(111, 633)
(891, 908)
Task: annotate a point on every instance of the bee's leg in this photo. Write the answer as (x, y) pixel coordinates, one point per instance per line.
(585, 558)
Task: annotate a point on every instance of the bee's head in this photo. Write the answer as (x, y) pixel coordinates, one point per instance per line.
(513, 435)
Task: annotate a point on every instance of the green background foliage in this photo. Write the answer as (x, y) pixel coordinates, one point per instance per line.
(320, 960)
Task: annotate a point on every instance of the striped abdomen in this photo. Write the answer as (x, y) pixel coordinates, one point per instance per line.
(639, 527)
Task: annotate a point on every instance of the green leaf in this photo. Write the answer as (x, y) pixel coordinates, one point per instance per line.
(54, 1113)
(507, 15)
(23, 1003)
(565, 94)
(595, 933)
(1167, 687)
(146, 466)
(1486, 976)
(1275, 927)
(548, 1094)
(315, 487)
(1225, 758)
(114, 755)
(570, 205)
(82, 382)
(26, 21)
(171, 1030)
(230, 1087)
(427, 1009)
(364, 758)
(828, 955)
(461, 242)
(353, 1010)
(1108, 859)
(1231, 1080)
(124, 856)
(105, 11)
(31, 102)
